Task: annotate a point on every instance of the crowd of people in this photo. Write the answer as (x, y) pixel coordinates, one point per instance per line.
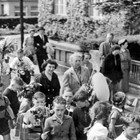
(89, 104)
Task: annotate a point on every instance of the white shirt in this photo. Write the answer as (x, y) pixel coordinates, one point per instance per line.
(97, 132)
(16, 64)
(123, 137)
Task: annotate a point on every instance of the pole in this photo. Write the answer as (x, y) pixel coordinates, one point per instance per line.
(21, 23)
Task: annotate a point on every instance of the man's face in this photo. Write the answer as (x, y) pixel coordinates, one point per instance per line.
(76, 63)
(110, 38)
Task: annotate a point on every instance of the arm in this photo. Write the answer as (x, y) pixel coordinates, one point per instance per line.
(65, 82)
(46, 130)
(13, 64)
(72, 131)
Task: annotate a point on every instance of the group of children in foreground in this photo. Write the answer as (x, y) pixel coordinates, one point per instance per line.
(72, 118)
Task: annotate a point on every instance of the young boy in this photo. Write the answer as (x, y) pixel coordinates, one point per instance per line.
(70, 105)
(34, 117)
(81, 117)
(59, 126)
(6, 114)
(131, 127)
(11, 92)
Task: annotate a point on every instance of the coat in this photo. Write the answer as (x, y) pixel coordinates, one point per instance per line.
(71, 80)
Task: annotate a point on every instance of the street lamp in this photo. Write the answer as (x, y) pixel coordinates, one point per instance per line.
(21, 23)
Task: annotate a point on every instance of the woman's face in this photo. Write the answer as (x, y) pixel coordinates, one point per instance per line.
(86, 58)
(76, 63)
(50, 68)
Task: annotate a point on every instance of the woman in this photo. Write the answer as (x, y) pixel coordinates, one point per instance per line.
(125, 64)
(76, 76)
(29, 49)
(49, 81)
(112, 69)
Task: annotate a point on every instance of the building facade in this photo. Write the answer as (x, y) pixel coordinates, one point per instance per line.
(12, 7)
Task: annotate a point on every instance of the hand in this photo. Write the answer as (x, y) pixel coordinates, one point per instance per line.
(44, 136)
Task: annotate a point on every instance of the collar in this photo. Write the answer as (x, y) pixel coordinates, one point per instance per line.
(55, 118)
(120, 110)
(77, 70)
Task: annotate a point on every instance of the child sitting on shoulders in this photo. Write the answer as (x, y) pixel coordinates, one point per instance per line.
(59, 126)
(98, 129)
(70, 105)
(6, 115)
(80, 114)
(33, 119)
(115, 123)
(131, 127)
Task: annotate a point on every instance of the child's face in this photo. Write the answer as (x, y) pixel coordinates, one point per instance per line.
(68, 97)
(132, 130)
(81, 104)
(59, 110)
(39, 102)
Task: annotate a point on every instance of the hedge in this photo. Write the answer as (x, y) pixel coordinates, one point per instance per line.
(12, 22)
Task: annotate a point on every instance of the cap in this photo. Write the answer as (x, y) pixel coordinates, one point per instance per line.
(119, 98)
(121, 41)
(41, 28)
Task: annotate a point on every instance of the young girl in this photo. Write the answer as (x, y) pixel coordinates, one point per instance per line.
(70, 105)
(131, 127)
(115, 123)
(59, 126)
(6, 114)
(34, 118)
(99, 113)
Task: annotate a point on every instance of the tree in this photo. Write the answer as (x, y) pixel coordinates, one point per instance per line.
(131, 9)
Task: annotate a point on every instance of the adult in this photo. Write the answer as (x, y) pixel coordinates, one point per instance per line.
(125, 64)
(112, 69)
(49, 81)
(105, 46)
(28, 46)
(76, 76)
(11, 92)
(23, 66)
(40, 42)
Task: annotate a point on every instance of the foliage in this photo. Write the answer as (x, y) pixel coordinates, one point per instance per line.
(131, 10)
(12, 22)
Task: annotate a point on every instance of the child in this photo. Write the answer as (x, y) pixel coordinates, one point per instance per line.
(11, 92)
(80, 115)
(70, 105)
(34, 118)
(131, 127)
(86, 63)
(99, 113)
(6, 115)
(115, 126)
(59, 126)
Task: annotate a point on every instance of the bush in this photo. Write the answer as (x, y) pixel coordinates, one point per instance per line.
(12, 22)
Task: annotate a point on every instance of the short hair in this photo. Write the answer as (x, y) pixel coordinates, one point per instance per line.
(74, 55)
(86, 53)
(20, 51)
(129, 118)
(18, 81)
(59, 100)
(80, 95)
(39, 95)
(115, 47)
(49, 61)
(109, 34)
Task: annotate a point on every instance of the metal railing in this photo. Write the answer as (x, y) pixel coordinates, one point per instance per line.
(135, 72)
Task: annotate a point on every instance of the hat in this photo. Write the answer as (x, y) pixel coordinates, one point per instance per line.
(121, 41)
(119, 98)
(41, 28)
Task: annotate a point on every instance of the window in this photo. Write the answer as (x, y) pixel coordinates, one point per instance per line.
(34, 11)
(17, 11)
(60, 7)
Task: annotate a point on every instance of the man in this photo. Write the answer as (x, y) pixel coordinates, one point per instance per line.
(23, 65)
(11, 92)
(105, 47)
(76, 76)
(40, 42)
